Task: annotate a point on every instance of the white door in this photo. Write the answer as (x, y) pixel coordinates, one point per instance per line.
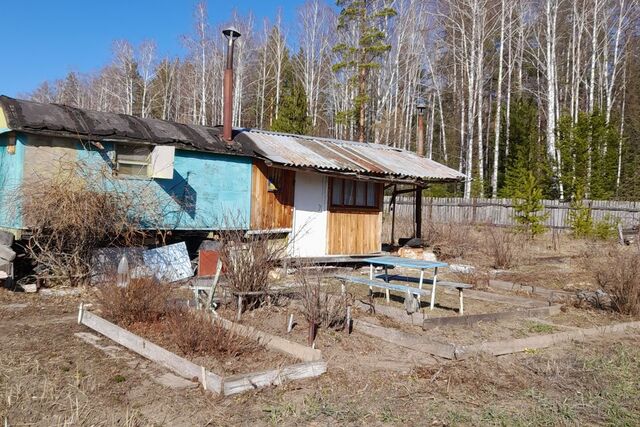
(310, 215)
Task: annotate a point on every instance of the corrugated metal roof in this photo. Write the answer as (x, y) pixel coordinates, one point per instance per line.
(322, 154)
(345, 156)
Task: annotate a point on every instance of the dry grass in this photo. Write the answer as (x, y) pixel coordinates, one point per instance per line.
(617, 271)
(143, 300)
(198, 333)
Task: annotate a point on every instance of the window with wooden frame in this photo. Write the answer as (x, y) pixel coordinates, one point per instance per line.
(145, 161)
(133, 160)
(350, 194)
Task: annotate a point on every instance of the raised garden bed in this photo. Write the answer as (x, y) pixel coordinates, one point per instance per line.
(200, 369)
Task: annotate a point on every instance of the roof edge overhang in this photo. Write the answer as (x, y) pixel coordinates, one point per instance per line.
(389, 179)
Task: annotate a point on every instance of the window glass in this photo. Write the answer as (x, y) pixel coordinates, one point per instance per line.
(133, 160)
(336, 192)
(361, 193)
(372, 189)
(349, 190)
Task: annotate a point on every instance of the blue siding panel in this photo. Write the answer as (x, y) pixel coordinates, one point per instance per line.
(11, 172)
(207, 192)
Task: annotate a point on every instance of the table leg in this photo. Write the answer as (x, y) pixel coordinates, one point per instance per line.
(370, 277)
(433, 288)
(461, 302)
(420, 283)
(386, 279)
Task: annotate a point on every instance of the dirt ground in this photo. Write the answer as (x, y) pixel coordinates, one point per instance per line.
(50, 376)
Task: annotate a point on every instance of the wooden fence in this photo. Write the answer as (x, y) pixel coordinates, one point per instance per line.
(500, 211)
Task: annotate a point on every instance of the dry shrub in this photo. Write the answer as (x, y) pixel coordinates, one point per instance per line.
(77, 210)
(450, 241)
(247, 262)
(499, 245)
(143, 300)
(617, 272)
(199, 333)
(477, 277)
(320, 308)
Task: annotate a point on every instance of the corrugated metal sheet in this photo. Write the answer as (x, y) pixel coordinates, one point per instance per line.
(346, 156)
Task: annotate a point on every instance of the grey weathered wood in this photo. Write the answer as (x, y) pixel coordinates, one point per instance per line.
(403, 339)
(383, 285)
(470, 319)
(240, 383)
(502, 299)
(498, 348)
(273, 342)
(500, 211)
(538, 292)
(149, 350)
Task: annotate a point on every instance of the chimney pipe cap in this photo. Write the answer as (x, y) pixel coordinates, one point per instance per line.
(421, 105)
(231, 33)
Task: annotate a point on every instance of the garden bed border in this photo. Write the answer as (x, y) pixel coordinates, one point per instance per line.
(229, 385)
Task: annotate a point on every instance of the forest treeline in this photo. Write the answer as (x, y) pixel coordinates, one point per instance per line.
(518, 90)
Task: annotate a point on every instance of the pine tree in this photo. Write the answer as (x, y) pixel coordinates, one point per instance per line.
(528, 205)
(365, 18)
(293, 116)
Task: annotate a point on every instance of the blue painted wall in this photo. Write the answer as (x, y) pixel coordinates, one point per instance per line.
(207, 192)
(11, 169)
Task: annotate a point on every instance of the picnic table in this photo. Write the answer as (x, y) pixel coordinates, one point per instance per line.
(416, 264)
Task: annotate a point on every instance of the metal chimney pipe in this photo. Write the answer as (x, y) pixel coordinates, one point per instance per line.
(421, 107)
(227, 111)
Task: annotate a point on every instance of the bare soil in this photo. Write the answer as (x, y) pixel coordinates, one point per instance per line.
(48, 376)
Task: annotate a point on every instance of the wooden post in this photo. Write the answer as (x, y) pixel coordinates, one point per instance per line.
(392, 208)
(239, 315)
(461, 302)
(418, 212)
(290, 325)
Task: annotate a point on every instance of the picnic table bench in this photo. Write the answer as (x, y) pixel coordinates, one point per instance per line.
(383, 285)
(394, 261)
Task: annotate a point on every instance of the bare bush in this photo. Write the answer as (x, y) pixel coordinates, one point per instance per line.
(75, 211)
(617, 272)
(450, 241)
(199, 333)
(499, 244)
(143, 300)
(321, 308)
(248, 261)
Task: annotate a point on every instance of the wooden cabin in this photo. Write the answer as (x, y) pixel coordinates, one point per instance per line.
(326, 195)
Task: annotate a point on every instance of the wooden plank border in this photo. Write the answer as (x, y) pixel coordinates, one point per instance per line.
(272, 342)
(470, 319)
(240, 383)
(210, 381)
(499, 348)
(151, 351)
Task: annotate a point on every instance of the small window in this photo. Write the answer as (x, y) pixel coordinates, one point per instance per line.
(133, 160)
(274, 180)
(347, 193)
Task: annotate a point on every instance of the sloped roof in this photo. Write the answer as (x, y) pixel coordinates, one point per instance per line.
(345, 156)
(62, 120)
(321, 154)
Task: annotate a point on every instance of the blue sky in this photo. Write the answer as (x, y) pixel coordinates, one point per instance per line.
(45, 39)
